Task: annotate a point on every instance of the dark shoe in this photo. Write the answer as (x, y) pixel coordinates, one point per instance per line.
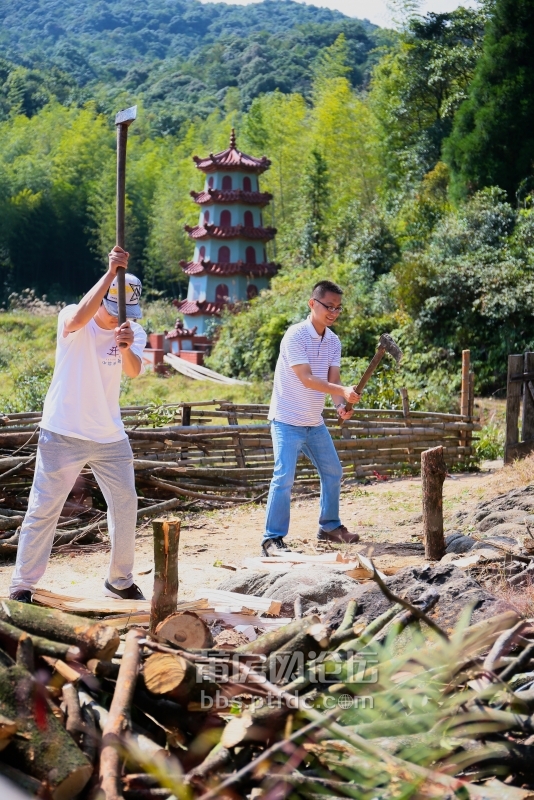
(133, 592)
(274, 547)
(21, 596)
(338, 536)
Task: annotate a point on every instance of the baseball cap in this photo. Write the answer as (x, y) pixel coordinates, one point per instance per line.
(133, 288)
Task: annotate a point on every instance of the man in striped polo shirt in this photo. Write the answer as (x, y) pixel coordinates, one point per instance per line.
(308, 369)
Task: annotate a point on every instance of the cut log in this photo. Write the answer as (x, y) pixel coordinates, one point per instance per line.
(117, 721)
(282, 664)
(433, 472)
(10, 635)
(173, 675)
(187, 630)
(45, 751)
(165, 596)
(32, 786)
(25, 655)
(94, 639)
(143, 743)
(273, 640)
(8, 729)
(74, 725)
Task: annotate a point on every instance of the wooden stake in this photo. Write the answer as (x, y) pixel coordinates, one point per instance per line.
(464, 395)
(513, 404)
(110, 759)
(166, 543)
(433, 471)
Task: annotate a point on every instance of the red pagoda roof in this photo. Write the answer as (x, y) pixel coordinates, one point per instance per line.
(236, 196)
(193, 307)
(232, 159)
(265, 269)
(231, 232)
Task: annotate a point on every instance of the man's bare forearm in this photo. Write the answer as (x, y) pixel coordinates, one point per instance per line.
(89, 304)
(131, 364)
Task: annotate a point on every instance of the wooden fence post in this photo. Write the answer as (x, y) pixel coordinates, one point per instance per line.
(433, 472)
(527, 426)
(513, 403)
(166, 543)
(239, 452)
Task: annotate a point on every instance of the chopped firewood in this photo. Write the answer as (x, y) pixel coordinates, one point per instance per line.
(46, 751)
(187, 630)
(8, 728)
(94, 639)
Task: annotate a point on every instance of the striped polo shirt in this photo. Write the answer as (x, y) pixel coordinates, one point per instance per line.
(291, 401)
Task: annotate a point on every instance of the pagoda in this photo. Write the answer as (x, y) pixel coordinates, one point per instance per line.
(230, 259)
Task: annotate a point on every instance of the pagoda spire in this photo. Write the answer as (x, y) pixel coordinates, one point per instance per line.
(232, 140)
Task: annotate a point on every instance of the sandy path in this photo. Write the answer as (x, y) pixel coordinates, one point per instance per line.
(380, 512)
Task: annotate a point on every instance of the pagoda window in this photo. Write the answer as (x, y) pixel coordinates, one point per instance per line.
(227, 183)
(265, 254)
(250, 255)
(249, 219)
(210, 182)
(221, 293)
(252, 291)
(226, 219)
(206, 217)
(202, 253)
(224, 255)
(247, 185)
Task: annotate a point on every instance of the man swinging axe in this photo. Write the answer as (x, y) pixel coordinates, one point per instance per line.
(97, 341)
(308, 368)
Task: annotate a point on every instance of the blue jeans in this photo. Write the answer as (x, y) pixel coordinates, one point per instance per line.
(316, 443)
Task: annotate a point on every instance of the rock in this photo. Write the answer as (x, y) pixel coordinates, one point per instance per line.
(498, 517)
(458, 543)
(508, 531)
(495, 538)
(457, 590)
(317, 586)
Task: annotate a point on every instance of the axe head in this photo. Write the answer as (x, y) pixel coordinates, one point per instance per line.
(390, 346)
(127, 116)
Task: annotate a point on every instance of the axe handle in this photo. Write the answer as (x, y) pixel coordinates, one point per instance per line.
(377, 358)
(122, 139)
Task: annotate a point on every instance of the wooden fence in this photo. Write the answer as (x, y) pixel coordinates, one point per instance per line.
(221, 452)
(520, 385)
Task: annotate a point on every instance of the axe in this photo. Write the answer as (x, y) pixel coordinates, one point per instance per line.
(385, 345)
(123, 120)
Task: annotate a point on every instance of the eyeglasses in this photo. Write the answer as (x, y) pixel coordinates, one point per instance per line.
(332, 309)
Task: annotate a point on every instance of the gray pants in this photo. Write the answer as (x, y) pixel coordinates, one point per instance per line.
(60, 460)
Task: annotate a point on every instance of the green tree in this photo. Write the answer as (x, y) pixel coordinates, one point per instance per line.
(315, 196)
(417, 87)
(493, 138)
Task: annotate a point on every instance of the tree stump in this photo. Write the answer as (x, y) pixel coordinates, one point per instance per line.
(165, 597)
(433, 472)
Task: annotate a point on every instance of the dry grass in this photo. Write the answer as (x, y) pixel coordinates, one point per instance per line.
(520, 597)
(511, 476)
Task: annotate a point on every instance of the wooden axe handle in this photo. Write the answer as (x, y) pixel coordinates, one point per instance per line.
(377, 358)
(122, 139)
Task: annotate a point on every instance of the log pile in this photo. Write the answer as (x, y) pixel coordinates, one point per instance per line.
(208, 455)
(388, 707)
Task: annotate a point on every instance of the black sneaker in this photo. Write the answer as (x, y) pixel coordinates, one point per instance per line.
(133, 592)
(274, 547)
(21, 596)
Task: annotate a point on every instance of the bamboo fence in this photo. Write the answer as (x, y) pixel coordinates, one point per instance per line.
(222, 455)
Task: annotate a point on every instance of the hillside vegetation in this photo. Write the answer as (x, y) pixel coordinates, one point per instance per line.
(400, 168)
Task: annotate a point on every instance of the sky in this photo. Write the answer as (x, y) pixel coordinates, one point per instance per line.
(375, 10)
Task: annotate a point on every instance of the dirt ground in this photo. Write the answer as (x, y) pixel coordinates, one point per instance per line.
(382, 512)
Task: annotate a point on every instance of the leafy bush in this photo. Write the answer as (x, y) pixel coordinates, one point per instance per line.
(30, 387)
(489, 444)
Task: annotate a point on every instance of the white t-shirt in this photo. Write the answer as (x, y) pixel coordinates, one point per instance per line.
(291, 401)
(83, 398)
